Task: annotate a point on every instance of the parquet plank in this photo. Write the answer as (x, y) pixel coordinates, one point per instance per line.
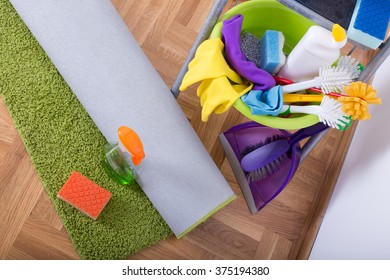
(18, 192)
(45, 212)
(41, 241)
(223, 241)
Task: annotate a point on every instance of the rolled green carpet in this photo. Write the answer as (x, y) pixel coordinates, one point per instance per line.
(60, 137)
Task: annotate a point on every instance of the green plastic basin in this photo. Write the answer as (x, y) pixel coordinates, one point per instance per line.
(260, 15)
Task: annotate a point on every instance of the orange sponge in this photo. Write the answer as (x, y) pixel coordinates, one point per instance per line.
(85, 195)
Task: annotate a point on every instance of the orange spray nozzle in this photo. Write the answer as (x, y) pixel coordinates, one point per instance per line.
(132, 143)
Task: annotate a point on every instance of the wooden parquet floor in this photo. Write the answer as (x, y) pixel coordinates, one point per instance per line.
(284, 229)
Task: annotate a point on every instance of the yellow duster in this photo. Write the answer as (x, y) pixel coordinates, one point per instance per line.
(357, 97)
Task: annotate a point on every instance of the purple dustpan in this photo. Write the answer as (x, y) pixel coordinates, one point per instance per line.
(258, 193)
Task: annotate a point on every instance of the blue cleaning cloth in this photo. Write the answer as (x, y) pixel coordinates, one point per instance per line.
(373, 17)
(269, 102)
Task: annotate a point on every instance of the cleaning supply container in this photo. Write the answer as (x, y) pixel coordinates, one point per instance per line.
(259, 16)
(121, 159)
(318, 48)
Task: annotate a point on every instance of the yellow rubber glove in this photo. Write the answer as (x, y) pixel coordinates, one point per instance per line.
(220, 85)
(218, 95)
(209, 63)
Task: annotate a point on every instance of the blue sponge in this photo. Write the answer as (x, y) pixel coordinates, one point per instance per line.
(369, 22)
(272, 57)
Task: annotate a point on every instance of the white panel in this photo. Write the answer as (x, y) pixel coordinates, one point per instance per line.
(357, 222)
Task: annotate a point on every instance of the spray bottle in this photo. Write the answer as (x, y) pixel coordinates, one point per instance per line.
(318, 48)
(121, 159)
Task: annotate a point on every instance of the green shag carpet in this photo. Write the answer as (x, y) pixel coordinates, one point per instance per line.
(61, 137)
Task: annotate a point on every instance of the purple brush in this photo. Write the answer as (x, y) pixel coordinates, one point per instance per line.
(258, 158)
(243, 139)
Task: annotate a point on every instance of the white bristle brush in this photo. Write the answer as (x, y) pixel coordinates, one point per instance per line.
(330, 79)
(329, 112)
(350, 64)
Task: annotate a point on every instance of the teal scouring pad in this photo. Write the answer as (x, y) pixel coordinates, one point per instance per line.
(272, 57)
(250, 46)
(369, 22)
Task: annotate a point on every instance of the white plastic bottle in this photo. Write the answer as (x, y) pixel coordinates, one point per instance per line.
(318, 48)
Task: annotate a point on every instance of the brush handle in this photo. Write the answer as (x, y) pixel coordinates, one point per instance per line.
(290, 98)
(268, 153)
(331, 93)
(316, 82)
(310, 109)
(307, 132)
